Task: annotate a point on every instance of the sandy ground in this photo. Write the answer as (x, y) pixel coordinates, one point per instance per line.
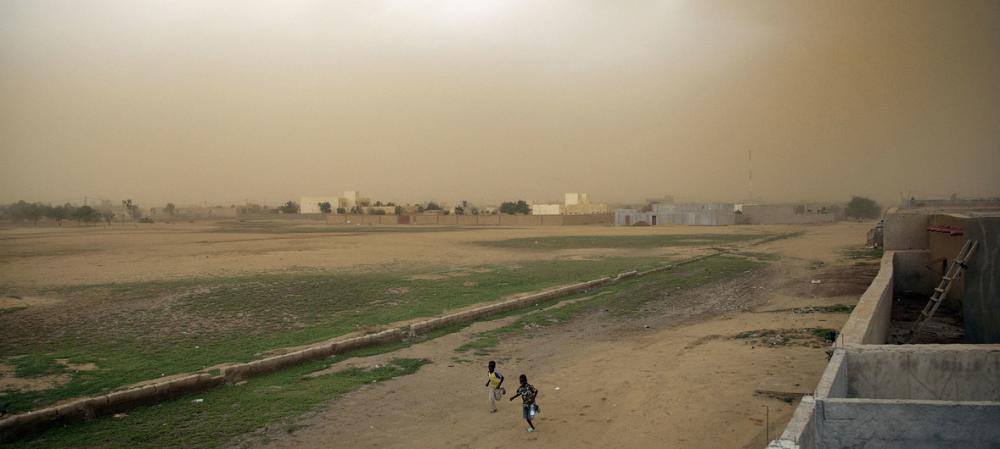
(71, 255)
(675, 378)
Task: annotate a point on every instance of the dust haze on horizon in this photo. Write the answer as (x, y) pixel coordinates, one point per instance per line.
(488, 100)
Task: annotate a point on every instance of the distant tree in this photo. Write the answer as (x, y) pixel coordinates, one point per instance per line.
(170, 209)
(325, 207)
(432, 206)
(341, 210)
(390, 204)
(291, 207)
(398, 210)
(107, 215)
(861, 207)
(378, 204)
(86, 215)
(376, 212)
(357, 210)
(23, 210)
(59, 213)
(514, 208)
(420, 208)
(132, 209)
(459, 210)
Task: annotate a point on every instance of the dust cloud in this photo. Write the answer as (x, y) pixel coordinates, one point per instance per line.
(485, 100)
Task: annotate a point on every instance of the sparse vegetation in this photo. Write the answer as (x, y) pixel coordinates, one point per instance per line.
(224, 413)
(636, 241)
(624, 299)
(209, 321)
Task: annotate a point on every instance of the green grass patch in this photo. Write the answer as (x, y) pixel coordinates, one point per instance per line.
(621, 241)
(863, 253)
(5, 310)
(626, 298)
(212, 321)
(782, 236)
(224, 414)
(766, 257)
(824, 333)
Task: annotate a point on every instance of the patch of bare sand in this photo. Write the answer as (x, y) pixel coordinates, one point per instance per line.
(50, 257)
(673, 378)
(10, 302)
(10, 382)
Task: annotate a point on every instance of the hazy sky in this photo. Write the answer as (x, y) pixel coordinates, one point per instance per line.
(483, 100)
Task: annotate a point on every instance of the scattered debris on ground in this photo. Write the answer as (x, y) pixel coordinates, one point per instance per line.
(817, 337)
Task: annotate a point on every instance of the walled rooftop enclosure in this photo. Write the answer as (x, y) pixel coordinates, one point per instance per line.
(878, 395)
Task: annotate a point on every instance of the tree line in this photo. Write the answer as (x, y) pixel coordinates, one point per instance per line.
(23, 211)
(462, 208)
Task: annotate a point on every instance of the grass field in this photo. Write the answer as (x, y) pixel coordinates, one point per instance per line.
(628, 241)
(152, 329)
(622, 299)
(231, 411)
(223, 413)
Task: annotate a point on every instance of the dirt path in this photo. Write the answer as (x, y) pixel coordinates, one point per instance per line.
(674, 378)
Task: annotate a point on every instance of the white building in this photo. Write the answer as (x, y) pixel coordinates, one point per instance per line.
(310, 204)
(579, 204)
(351, 198)
(546, 209)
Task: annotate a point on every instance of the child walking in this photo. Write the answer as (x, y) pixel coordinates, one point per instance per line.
(528, 394)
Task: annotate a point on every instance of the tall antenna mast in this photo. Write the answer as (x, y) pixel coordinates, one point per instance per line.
(750, 172)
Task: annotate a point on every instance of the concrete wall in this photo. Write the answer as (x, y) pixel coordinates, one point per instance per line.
(943, 248)
(708, 214)
(359, 219)
(911, 272)
(629, 217)
(981, 307)
(903, 424)
(782, 214)
(932, 372)
(906, 229)
(869, 322)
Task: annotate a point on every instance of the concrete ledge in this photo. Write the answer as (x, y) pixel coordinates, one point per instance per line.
(800, 433)
(511, 304)
(924, 372)
(869, 322)
(903, 424)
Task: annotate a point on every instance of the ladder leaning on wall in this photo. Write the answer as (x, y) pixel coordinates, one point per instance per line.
(954, 272)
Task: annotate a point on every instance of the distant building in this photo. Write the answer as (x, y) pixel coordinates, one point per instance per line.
(579, 204)
(632, 217)
(351, 199)
(700, 214)
(546, 209)
(788, 213)
(310, 204)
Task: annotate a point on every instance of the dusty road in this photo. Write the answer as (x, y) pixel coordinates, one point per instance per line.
(675, 378)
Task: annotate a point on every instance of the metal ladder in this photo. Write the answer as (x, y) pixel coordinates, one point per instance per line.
(954, 272)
